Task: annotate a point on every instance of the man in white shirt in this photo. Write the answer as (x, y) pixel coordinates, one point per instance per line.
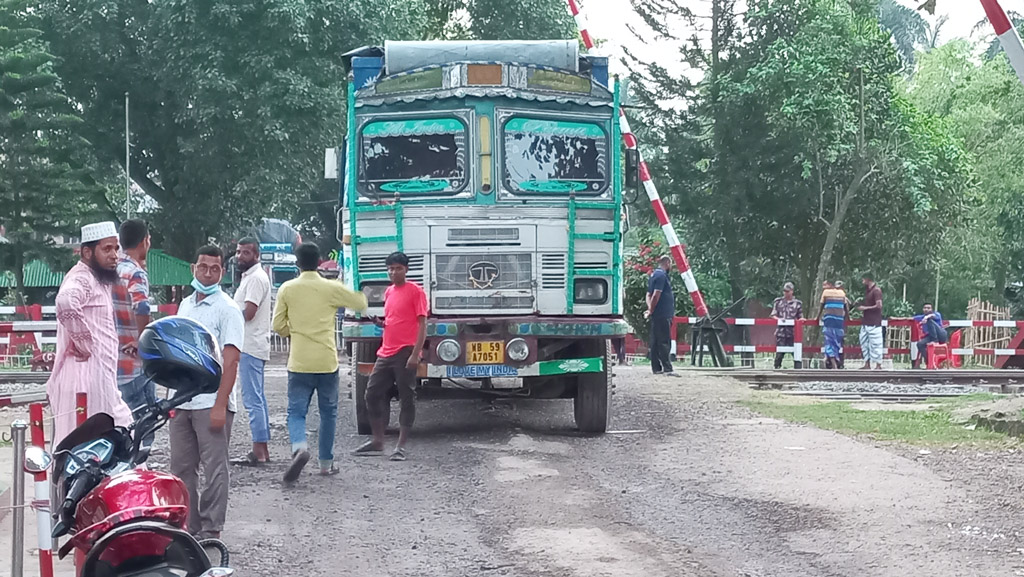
(201, 428)
(253, 297)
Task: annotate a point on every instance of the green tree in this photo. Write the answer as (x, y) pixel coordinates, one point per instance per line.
(983, 103)
(232, 102)
(46, 176)
(796, 157)
(498, 20)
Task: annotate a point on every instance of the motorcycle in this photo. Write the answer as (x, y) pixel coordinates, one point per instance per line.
(127, 520)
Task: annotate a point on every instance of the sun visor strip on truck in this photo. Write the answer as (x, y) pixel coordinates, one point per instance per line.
(404, 56)
(482, 93)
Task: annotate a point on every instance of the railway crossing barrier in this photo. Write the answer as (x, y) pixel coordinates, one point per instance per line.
(43, 490)
(799, 348)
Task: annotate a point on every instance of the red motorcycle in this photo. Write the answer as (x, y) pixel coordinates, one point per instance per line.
(129, 521)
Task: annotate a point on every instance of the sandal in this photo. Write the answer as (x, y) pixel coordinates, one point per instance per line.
(329, 472)
(251, 460)
(397, 455)
(295, 469)
(368, 449)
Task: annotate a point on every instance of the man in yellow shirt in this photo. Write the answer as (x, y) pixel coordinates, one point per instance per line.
(305, 311)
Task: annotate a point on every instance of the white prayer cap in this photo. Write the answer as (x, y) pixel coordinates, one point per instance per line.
(98, 231)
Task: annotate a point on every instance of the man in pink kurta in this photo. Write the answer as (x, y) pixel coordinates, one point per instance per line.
(86, 336)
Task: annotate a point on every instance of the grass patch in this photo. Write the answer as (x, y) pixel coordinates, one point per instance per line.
(929, 427)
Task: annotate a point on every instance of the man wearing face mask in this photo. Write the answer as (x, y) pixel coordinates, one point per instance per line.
(86, 360)
(201, 428)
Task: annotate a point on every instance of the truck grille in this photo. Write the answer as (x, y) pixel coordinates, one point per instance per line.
(484, 272)
(481, 236)
(376, 263)
(484, 303)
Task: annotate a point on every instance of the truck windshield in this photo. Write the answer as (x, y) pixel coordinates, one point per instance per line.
(413, 157)
(554, 157)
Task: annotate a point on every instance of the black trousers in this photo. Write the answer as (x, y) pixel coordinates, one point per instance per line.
(661, 345)
(785, 340)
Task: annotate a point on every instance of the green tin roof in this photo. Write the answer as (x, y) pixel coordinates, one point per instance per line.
(163, 269)
(37, 274)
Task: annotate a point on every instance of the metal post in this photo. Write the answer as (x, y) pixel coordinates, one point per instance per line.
(127, 162)
(18, 500)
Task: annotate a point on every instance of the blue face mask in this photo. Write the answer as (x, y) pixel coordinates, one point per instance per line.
(203, 289)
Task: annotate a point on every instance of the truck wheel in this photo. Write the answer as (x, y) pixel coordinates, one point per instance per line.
(365, 352)
(593, 393)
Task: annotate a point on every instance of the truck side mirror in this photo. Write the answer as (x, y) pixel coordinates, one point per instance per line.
(632, 168)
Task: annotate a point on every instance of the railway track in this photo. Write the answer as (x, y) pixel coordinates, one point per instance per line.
(880, 386)
(782, 378)
(23, 377)
(22, 387)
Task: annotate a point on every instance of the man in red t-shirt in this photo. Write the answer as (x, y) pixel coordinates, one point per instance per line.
(405, 329)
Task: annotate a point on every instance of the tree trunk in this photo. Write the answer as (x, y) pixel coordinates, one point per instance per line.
(999, 279)
(20, 297)
(834, 227)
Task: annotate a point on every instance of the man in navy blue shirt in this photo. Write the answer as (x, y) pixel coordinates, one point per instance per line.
(661, 308)
(932, 329)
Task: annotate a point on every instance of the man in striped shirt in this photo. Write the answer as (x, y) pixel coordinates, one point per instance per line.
(132, 313)
(832, 315)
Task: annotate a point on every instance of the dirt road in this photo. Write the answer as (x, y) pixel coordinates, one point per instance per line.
(706, 489)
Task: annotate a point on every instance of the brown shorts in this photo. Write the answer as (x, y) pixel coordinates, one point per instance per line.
(388, 372)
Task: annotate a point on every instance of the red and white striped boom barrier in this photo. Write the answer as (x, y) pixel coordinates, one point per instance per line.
(1009, 39)
(678, 254)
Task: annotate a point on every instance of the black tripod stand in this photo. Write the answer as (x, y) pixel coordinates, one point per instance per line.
(707, 334)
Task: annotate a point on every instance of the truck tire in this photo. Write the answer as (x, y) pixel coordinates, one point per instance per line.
(364, 352)
(592, 403)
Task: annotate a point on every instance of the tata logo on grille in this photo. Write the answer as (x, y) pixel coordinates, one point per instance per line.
(483, 274)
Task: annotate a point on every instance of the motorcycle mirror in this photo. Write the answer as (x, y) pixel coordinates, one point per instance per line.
(219, 572)
(37, 460)
(632, 169)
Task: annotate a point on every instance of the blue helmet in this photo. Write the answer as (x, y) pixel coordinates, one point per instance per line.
(181, 354)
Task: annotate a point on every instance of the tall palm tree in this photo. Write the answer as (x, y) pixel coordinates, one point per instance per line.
(908, 28)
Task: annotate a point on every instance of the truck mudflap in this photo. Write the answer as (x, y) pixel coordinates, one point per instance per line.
(540, 369)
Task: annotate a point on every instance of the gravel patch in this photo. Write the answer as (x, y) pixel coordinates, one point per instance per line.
(886, 388)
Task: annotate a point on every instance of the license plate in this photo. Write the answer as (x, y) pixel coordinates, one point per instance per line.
(486, 353)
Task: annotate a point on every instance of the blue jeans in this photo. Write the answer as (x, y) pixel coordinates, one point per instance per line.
(250, 372)
(300, 392)
(138, 393)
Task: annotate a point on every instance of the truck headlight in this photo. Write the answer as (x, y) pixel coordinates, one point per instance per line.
(374, 293)
(448, 350)
(517, 350)
(591, 291)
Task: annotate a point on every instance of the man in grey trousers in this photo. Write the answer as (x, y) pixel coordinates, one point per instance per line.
(200, 431)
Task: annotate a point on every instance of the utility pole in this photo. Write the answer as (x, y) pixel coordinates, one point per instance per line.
(127, 162)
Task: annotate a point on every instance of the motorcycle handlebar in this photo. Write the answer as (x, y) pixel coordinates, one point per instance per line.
(81, 483)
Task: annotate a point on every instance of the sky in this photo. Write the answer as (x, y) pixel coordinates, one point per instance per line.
(609, 20)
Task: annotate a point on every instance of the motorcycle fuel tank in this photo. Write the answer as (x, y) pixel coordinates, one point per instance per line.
(135, 494)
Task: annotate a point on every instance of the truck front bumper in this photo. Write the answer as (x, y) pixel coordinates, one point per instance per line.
(540, 369)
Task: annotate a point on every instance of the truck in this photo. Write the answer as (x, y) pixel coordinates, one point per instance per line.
(497, 168)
